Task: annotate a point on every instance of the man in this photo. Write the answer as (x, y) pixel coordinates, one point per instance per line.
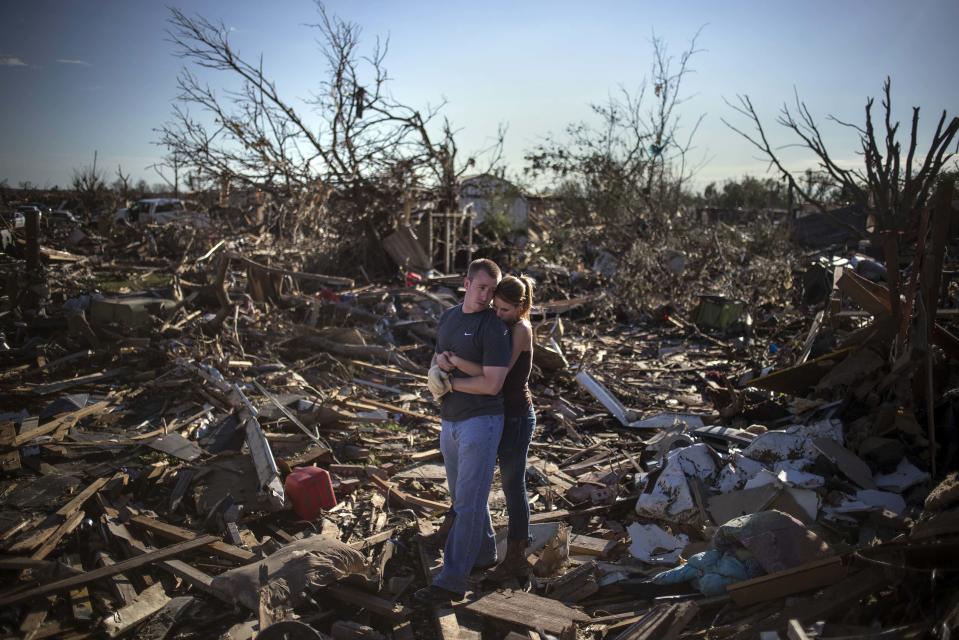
(472, 419)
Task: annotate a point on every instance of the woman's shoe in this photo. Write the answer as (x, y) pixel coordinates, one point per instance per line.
(514, 565)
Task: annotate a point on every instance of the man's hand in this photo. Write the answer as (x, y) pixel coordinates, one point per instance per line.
(443, 361)
(438, 382)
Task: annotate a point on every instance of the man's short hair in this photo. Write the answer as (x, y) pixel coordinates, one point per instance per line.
(484, 264)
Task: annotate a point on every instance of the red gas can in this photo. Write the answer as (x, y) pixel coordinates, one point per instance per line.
(310, 490)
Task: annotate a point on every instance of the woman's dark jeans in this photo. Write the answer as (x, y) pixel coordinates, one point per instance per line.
(513, 450)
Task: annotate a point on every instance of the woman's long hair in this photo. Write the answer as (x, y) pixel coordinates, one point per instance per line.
(517, 291)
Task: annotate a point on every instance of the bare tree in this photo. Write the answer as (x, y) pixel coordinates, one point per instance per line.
(894, 188)
(629, 170)
(340, 165)
(897, 190)
(121, 186)
(90, 187)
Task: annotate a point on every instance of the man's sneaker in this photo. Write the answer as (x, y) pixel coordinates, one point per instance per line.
(433, 595)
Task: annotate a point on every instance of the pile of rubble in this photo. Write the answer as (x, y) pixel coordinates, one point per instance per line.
(741, 471)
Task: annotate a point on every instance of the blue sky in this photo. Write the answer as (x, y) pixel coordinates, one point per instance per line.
(100, 75)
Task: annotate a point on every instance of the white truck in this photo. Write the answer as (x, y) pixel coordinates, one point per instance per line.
(158, 211)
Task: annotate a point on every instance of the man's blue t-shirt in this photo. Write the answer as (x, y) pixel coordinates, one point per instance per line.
(479, 337)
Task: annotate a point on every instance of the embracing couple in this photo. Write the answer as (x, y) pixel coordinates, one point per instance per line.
(484, 353)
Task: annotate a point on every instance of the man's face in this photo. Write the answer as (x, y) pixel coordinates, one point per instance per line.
(479, 291)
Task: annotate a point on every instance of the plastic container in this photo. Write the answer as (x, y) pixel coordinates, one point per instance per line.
(310, 490)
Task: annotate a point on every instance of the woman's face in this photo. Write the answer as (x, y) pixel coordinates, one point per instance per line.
(507, 312)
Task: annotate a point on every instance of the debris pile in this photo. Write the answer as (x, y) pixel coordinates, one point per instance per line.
(202, 437)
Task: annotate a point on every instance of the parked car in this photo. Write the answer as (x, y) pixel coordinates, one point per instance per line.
(27, 208)
(15, 219)
(62, 218)
(157, 210)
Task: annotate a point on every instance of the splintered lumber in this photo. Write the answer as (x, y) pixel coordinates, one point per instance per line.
(71, 523)
(447, 625)
(37, 613)
(65, 420)
(562, 514)
(79, 597)
(121, 585)
(374, 539)
(349, 283)
(773, 586)
(664, 622)
(159, 626)
(528, 610)
(172, 532)
(149, 602)
(380, 606)
(367, 404)
(587, 546)
(103, 572)
(78, 500)
(802, 376)
(391, 490)
(9, 456)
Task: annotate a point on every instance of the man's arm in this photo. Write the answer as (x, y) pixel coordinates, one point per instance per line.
(489, 383)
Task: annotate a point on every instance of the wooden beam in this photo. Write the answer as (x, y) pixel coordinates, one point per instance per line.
(103, 572)
(393, 611)
(527, 610)
(149, 602)
(172, 532)
(79, 597)
(120, 584)
(390, 489)
(71, 523)
(77, 502)
(67, 419)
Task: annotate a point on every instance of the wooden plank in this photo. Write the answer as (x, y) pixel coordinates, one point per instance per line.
(79, 597)
(664, 622)
(527, 610)
(149, 602)
(366, 403)
(794, 631)
(393, 611)
(159, 626)
(65, 420)
(30, 627)
(103, 572)
(71, 523)
(172, 532)
(20, 563)
(783, 583)
(120, 584)
(587, 546)
(426, 455)
(447, 625)
(56, 387)
(562, 514)
(308, 457)
(392, 490)
(9, 455)
(802, 376)
(78, 500)
(375, 539)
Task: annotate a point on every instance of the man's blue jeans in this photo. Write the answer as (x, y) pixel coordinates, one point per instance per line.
(469, 453)
(513, 451)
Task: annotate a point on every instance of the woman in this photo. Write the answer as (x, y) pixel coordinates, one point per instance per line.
(512, 302)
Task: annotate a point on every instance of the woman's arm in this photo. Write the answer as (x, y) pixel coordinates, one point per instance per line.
(522, 340)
